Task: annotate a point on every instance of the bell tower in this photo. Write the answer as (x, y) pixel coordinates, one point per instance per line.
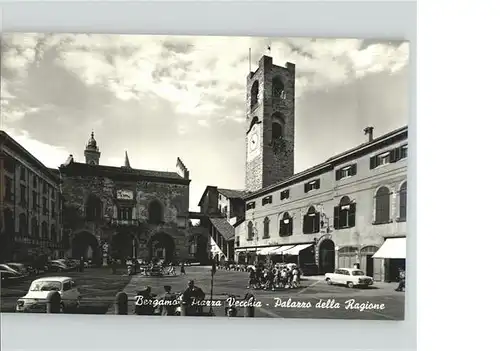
(270, 124)
(92, 153)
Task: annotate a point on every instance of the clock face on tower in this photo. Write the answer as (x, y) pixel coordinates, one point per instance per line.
(253, 143)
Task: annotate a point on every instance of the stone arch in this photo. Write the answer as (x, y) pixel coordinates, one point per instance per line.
(93, 208)
(254, 94)
(326, 255)
(155, 212)
(278, 87)
(124, 245)
(162, 245)
(277, 126)
(85, 244)
(266, 227)
(199, 247)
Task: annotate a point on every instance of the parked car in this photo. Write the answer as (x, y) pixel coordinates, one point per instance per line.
(9, 275)
(350, 277)
(57, 266)
(20, 267)
(36, 298)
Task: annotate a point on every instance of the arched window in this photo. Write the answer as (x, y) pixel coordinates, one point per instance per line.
(250, 230)
(254, 94)
(53, 233)
(266, 228)
(155, 212)
(34, 228)
(93, 208)
(311, 221)
(278, 88)
(382, 205)
(344, 214)
(286, 225)
(45, 230)
(402, 202)
(278, 124)
(23, 225)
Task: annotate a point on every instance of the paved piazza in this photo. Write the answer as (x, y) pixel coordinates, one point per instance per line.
(312, 291)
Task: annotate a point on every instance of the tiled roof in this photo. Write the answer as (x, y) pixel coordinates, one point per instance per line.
(232, 194)
(223, 227)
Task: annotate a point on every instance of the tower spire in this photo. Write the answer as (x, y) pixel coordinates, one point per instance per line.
(127, 162)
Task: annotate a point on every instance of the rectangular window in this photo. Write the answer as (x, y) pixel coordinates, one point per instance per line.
(45, 207)
(345, 172)
(125, 213)
(251, 205)
(45, 188)
(35, 181)
(34, 200)
(380, 160)
(22, 200)
(267, 200)
(285, 194)
(23, 173)
(53, 208)
(404, 151)
(9, 193)
(312, 185)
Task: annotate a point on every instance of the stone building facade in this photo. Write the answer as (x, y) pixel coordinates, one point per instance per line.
(333, 215)
(30, 206)
(270, 124)
(123, 212)
(339, 213)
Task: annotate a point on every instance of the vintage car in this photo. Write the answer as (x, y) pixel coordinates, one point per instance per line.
(349, 277)
(35, 299)
(9, 275)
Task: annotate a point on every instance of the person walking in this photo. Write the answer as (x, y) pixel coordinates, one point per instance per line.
(183, 269)
(402, 280)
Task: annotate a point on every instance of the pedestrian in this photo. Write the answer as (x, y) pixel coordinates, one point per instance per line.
(191, 299)
(82, 264)
(251, 279)
(167, 308)
(295, 279)
(183, 269)
(402, 280)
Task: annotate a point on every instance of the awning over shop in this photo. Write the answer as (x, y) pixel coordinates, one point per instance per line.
(295, 250)
(267, 250)
(243, 249)
(392, 248)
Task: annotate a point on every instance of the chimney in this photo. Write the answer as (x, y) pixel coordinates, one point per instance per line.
(369, 131)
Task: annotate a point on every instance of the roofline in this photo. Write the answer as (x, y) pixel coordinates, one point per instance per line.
(328, 164)
(106, 168)
(204, 193)
(4, 137)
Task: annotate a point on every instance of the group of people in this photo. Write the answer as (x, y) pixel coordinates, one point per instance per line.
(270, 278)
(172, 302)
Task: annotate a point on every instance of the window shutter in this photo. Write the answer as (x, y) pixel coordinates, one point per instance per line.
(354, 169)
(281, 228)
(338, 174)
(270, 199)
(373, 162)
(336, 217)
(305, 224)
(290, 227)
(392, 156)
(352, 215)
(306, 187)
(316, 223)
(318, 185)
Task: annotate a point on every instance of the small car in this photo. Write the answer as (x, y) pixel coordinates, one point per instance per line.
(350, 277)
(35, 299)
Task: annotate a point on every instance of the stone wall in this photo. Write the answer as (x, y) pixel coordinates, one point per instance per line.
(173, 197)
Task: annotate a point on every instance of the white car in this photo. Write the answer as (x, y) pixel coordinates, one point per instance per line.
(36, 298)
(350, 277)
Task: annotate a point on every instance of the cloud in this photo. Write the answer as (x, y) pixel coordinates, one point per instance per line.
(51, 156)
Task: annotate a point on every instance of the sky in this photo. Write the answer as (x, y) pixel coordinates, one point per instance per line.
(163, 97)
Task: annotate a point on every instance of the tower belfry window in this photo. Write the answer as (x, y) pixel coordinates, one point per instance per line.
(278, 88)
(254, 94)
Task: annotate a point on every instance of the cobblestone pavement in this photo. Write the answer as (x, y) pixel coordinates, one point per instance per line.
(312, 291)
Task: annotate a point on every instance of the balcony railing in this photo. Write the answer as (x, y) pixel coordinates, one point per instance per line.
(124, 222)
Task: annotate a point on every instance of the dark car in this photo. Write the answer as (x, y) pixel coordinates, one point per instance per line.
(9, 275)
(57, 266)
